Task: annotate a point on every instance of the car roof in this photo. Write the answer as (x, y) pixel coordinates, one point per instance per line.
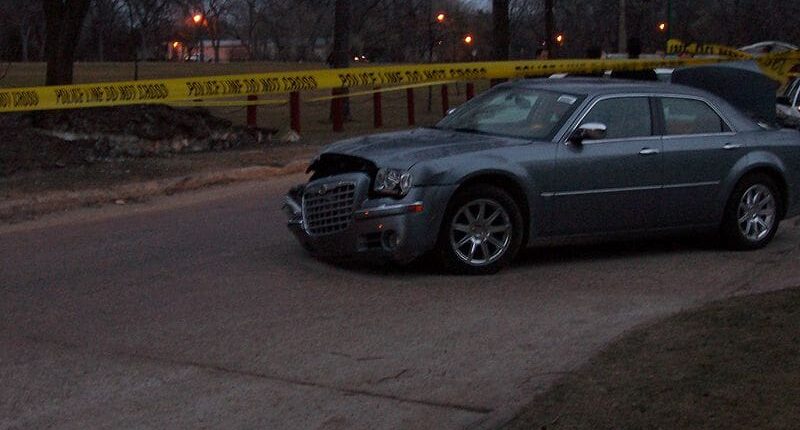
(602, 86)
(592, 87)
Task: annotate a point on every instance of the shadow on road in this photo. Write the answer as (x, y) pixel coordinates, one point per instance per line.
(551, 254)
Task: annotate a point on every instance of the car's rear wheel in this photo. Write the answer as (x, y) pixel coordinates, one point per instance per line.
(481, 232)
(752, 214)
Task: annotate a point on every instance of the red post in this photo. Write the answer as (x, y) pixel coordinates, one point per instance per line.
(445, 100)
(252, 112)
(410, 106)
(377, 109)
(470, 90)
(337, 105)
(294, 111)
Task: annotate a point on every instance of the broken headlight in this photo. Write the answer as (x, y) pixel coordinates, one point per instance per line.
(393, 182)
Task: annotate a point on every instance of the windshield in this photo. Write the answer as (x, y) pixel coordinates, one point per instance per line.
(517, 112)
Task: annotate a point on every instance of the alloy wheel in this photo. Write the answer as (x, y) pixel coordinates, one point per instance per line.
(756, 213)
(481, 232)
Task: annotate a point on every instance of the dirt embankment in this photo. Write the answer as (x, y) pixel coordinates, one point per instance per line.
(58, 139)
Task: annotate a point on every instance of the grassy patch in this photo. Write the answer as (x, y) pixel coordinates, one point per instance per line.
(734, 364)
(102, 175)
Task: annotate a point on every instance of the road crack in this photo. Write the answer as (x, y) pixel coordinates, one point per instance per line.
(209, 367)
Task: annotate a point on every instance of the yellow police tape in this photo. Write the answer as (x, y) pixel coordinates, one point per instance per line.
(219, 87)
(379, 90)
(777, 66)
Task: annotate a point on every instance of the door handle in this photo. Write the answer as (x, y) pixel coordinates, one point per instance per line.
(729, 146)
(648, 151)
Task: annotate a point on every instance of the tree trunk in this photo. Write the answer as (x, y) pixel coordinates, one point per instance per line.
(340, 57)
(501, 37)
(549, 25)
(623, 33)
(25, 39)
(64, 21)
(341, 35)
(101, 45)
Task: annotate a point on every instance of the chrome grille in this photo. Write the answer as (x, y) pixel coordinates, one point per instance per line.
(329, 208)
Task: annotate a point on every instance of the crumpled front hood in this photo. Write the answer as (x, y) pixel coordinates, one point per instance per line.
(405, 148)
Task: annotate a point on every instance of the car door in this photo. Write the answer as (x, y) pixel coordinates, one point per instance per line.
(612, 184)
(700, 148)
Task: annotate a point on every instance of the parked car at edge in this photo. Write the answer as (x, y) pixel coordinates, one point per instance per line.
(788, 107)
(536, 160)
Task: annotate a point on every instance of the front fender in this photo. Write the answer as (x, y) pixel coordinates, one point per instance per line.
(442, 172)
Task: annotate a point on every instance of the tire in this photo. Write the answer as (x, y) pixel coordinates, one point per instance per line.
(752, 214)
(486, 242)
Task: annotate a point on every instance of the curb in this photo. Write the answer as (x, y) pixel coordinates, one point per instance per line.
(57, 201)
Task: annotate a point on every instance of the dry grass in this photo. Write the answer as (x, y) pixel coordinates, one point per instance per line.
(731, 365)
(136, 170)
(314, 115)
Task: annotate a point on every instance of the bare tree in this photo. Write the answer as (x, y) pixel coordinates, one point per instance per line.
(64, 21)
(105, 22)
(149, 21)
(501, 37)
(340, 57)
(215, 12)
(549, 24)
(248, 19)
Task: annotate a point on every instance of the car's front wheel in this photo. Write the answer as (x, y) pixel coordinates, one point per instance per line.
(752, 214)
(481, 232)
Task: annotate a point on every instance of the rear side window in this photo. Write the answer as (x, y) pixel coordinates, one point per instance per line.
(624, 117)
(689, 116)
(793, 91)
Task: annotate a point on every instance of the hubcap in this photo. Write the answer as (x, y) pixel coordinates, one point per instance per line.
(756, 214)
(480, 233)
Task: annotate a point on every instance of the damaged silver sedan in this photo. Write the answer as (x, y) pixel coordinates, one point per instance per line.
(537, 160)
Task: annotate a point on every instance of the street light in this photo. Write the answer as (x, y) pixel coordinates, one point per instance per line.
(662, 26)
(468, 39)
(560, 39)
(441, 17)
(198, 19)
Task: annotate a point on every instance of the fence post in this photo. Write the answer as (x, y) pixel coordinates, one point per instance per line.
(445, 100)
(470, 90)
(294, 111)
(252, 112)
(377, 109)
(337, 105)
(410, 106)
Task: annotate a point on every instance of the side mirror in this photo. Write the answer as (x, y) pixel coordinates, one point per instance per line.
(588, 131)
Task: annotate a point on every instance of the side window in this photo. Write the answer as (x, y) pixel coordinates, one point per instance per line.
(687, 116)
(623, 117)
(794, 91)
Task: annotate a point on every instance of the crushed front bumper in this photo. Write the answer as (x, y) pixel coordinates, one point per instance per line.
(384, 228)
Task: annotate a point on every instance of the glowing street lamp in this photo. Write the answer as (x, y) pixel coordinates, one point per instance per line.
(560, 39)
(441, 17)
(468, 39)
(198, 20)
(662, 26)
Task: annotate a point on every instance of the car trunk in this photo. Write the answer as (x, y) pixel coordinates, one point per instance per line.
(740, 83)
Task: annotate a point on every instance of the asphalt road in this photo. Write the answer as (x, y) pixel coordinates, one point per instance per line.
(200, 310)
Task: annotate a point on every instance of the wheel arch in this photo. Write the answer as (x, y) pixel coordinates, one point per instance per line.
(506, 182)
(772, 170)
